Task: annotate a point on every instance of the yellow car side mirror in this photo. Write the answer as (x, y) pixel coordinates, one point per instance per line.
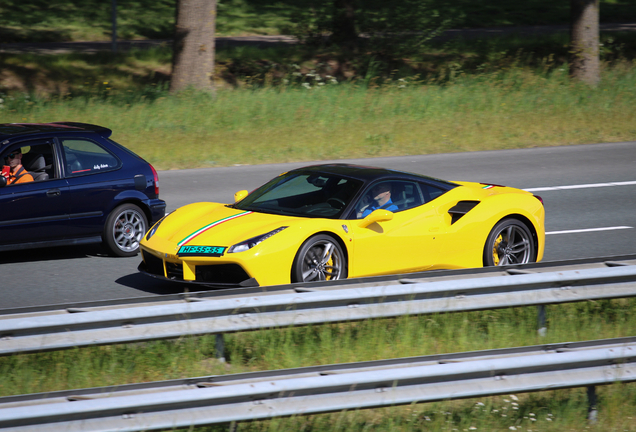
(376, 216)
(238, 196)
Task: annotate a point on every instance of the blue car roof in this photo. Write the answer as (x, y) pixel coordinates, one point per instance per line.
(13, 130)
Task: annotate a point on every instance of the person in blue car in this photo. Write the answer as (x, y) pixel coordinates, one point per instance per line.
(16, 172)
(381, 199)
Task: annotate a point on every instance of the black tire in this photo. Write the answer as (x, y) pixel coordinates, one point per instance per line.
(124, 229)
(509, 242)
(319, 258)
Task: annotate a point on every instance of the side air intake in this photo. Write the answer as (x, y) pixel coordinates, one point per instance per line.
(460, 209)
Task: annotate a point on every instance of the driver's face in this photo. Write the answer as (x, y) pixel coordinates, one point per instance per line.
(13, 159)
(380, 192)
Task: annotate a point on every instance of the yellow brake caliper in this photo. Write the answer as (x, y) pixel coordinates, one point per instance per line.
(329, 265)
(495, 254)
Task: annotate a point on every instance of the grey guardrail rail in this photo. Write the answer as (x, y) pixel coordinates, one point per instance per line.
(262, 395)
(314, 306)
(544, 266)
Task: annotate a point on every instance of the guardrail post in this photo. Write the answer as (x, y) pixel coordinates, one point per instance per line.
(220, 347)
(592, 411)
(541, 320)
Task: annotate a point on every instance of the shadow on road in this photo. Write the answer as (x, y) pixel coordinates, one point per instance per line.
(53, 254)
(87, 264)
(151, 285)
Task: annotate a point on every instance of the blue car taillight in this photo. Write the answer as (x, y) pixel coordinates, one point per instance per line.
(156, 180)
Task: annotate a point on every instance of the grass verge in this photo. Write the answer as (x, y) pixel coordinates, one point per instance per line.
(292, 104)
(515, 108)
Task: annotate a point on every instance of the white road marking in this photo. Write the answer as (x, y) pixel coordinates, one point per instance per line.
(584, 186)
(581, 186)
(589, 230)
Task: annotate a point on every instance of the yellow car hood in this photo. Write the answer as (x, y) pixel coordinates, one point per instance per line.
(217, 225)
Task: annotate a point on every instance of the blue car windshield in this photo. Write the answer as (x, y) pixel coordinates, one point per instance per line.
(303, 194)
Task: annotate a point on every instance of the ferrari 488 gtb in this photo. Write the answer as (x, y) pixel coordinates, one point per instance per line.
(329, 222)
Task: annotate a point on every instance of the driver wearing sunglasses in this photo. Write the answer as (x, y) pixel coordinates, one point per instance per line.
(16, 172)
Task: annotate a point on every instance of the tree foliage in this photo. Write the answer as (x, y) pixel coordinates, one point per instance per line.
(399, 27)
(65, 20)
(68, 20)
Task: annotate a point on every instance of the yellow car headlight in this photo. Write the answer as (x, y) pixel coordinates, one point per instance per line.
(154, 228)
(250, 243)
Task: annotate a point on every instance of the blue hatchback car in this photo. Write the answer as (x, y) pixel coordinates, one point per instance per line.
(86, 188)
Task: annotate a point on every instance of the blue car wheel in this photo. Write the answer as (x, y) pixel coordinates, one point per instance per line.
(125, 227)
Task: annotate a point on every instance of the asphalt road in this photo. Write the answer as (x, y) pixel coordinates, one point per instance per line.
(589, 193)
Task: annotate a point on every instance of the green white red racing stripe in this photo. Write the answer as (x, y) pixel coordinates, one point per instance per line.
(212, 225)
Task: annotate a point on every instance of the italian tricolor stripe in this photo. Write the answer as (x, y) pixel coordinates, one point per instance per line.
(488, 187)
(212, 225)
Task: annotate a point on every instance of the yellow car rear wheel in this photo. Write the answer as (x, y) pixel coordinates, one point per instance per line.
(509, 242)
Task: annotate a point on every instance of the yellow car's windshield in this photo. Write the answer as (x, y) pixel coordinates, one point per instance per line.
(307, 194)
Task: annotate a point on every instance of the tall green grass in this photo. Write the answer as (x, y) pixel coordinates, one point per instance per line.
(361, 341)
(315, 119)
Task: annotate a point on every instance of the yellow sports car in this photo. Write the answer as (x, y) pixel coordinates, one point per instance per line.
(329, 222)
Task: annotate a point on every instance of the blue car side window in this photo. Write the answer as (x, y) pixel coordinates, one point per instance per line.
(87, 157)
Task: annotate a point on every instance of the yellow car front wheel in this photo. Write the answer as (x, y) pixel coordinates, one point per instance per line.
(509, 242)
(320, 258)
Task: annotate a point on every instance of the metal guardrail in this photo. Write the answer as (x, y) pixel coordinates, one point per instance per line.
(262, 395)
(353, 302)
(427, 276)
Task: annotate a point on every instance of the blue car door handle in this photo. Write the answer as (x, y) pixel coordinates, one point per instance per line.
(53, 193)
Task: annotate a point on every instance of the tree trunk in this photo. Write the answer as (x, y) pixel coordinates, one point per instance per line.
(193, 58)
(344, 24)
(584, 39)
